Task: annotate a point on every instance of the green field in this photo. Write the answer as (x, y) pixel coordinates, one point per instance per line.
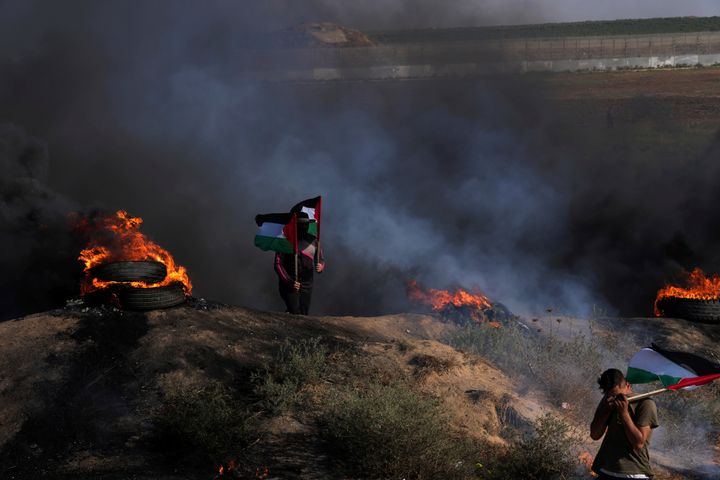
(614, 27)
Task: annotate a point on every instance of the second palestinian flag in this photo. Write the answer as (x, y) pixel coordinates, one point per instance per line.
(313, 208)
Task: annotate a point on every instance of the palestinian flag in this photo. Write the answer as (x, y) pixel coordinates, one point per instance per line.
(311, 206)
(277, 232)
(674, 369)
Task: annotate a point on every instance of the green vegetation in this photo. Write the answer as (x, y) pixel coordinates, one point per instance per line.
(374, 423)
(393, 432)
(573, 29)
(296, 364)
(549, 453)
(204, 423)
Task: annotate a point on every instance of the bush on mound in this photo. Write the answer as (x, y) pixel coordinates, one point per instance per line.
(280, 382)
(550, 453)
(204, 423)
(392, 431)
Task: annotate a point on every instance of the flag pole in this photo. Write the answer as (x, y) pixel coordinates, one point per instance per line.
(318, 209)
(635, 398)
(297, 240)
(317, 254)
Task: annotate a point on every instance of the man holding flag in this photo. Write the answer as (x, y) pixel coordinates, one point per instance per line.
(626, 429)
(627, 422)
(295, 237)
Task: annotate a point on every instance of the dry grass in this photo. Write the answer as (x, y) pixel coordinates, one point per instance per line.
(393, 431)
(425, 364)
(204, 424)
(280, 382)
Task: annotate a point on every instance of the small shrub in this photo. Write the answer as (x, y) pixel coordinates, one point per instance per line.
(204, 423)
(426, 364)
(405, 346)
(547, 454)
(296, 364)
(392, 432)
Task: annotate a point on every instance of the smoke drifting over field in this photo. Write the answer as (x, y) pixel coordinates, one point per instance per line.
(476, 183)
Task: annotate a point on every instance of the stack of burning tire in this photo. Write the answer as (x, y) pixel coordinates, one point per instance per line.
(694, 309)
(132, 285)
(698, 301)
(125, 267)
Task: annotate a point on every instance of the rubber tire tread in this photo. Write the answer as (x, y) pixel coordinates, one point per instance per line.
(132, 298)
(144, 271)
(702, 311)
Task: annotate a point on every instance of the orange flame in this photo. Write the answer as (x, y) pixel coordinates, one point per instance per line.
(230, 467)
(699, 287)
(260, 473)
(586, 459)
(439, 299)
(116, 238)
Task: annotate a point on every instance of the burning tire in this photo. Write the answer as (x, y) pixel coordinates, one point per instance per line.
(148, 272)
(132, 298)
(705, 311)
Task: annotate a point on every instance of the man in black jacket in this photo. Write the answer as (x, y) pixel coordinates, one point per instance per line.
(296, 292)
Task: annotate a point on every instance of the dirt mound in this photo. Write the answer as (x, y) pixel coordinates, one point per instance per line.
(80, 388)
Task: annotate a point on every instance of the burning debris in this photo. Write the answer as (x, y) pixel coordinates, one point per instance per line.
(231, 470)
(121, 263)
(586, 459)
(699, 300)
(461, 306)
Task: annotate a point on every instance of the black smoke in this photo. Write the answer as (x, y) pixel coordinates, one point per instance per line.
(38, 250)
(469, 182)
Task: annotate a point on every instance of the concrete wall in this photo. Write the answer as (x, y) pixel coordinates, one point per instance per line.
(484, 57)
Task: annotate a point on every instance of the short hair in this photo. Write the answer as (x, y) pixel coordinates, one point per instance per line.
(610, 378)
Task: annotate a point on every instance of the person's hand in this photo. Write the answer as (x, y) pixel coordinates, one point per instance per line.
(609, 404)
(296, 285)
(621, 403)
(319, 267)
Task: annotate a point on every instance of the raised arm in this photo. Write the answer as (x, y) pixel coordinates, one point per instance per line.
(598, 426)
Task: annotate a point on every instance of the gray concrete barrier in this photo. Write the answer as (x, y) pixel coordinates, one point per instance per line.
(483, 57)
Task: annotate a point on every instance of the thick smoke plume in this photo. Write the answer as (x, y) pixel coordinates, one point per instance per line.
(36, 248)
(478, 183)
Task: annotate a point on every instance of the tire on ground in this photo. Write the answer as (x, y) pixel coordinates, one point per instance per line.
(145, 271)
(704, 311)
(132, 298)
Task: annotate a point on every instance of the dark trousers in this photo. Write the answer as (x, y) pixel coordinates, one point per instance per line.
(296, 302)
